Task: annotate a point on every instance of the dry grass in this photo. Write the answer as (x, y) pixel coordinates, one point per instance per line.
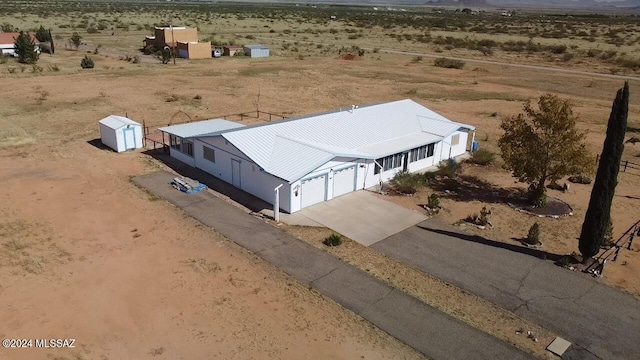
(437, 293)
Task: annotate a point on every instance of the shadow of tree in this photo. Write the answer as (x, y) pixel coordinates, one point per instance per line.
(471, 188)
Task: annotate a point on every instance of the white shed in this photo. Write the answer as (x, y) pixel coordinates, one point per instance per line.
(256, 51)
(120, 133)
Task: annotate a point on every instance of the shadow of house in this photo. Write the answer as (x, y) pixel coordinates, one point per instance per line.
(541, 254)
(243, 198)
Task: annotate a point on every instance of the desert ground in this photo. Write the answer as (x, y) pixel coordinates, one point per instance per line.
(85, 254)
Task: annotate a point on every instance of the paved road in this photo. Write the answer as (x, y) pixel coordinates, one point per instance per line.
(477, 61)
(602, 322)
(429, 331)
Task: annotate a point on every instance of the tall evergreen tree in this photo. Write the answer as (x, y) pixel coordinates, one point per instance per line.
(25, 48)
(43, 35)
(53, 50)
(598, 216)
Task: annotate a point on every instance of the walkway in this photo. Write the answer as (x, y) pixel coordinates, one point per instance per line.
(429, 331)
(602, 322)
(362, 216)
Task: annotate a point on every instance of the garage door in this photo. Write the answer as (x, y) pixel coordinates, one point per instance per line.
(313, 190)
(344, 181)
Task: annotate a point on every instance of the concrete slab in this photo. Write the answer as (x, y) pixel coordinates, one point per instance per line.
(363, 216)
(558, 346)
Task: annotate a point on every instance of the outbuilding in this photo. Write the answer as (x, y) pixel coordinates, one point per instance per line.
(231, 50)
(120, 133)
(316, 158)
(256, 51)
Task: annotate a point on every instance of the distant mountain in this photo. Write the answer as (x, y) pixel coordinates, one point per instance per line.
(565, 4)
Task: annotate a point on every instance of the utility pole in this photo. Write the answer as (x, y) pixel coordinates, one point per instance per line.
(173, 41)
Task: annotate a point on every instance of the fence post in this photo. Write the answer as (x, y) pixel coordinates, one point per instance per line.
(269, 116)
(625, 166)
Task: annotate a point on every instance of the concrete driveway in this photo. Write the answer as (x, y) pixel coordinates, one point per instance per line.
(363, 216)
(600, 321)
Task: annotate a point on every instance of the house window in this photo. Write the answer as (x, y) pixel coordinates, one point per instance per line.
(187, 147)
(209, 154)
(430, 149)
(376, 169)
(422, 152)
(174, 142)
(455, 139)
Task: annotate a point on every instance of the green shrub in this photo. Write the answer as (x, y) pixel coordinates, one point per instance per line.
(407, 183)
(448, 168)
(333, 240)
(483, 157)
(483, 219)
(580, 179)
(87, 63)
(449, 63)
(533, 237)
(608, 237)
(555, 186)
(434, 202)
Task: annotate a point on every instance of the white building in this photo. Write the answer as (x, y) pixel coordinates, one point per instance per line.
(120, 133)
(256, 51)
(319, 157)
(7, 43)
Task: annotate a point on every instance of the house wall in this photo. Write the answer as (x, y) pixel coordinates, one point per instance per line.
(179, 35)
(229, 52)
(201, 50)
(181, 156)
(252, 179)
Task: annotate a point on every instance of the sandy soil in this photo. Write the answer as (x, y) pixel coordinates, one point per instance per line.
(85, 254)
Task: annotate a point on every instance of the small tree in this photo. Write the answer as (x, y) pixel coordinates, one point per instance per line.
(598, 216)
(433, 202)
(87, 63)
(76, 40)
(533, 237)
(164, 55)
(43, 35)
(25, 48)
(544, 145)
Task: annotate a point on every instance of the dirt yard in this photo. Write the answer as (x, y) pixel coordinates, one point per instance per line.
(85, 254)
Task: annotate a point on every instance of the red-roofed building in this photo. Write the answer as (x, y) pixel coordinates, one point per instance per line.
(7, 43)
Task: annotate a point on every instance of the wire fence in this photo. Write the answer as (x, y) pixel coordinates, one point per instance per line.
(154, 138)
(625, 165)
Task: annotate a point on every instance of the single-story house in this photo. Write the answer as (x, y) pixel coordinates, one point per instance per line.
(120, 133)
(7, 43)
(194, 50)
(256, 51)
(320, 157)
(230, 50)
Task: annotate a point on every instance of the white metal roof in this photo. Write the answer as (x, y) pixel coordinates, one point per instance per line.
(200, 128)
(117, 122)
(252, 47)
(290, 149)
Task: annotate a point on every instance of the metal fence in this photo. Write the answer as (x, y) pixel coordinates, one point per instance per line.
(625, 165)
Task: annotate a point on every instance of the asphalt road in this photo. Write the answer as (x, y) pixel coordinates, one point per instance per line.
(601, 322)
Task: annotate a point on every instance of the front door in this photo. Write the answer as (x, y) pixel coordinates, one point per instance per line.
(235, 173)
(129, 138)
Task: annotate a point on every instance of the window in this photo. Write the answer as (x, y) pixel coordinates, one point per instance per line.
(455, 139)
(209, 154)
(430, 149)
(422, 152)
(376, 169)
(174, 142)
(187, 147)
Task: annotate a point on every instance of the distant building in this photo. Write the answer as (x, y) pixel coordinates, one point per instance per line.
(256, 51)
(194, 50)
(7, 43)
(170, 36)
(230, 50)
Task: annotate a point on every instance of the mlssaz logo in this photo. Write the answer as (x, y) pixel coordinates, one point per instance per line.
(55, 343)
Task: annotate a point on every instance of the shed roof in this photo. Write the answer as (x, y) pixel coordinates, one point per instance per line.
(117, 122)
(256, 47)
(201, 128)
(292, 148)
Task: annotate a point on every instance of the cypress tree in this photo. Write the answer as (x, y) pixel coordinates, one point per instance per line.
(53, 50)
(598, 216)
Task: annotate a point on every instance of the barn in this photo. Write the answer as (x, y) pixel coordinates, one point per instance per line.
(316, 158)
(120, 133)
(256, 51)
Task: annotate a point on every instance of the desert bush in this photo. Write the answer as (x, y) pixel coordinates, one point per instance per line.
(433, 202)
(448, 168)
(533, 236)
(407, 183)
(483, 157)
(239, 53)
(333, 240)
(91, 30)
(87, 63)
(416, 59)
(555, 186)
(580, 179)
(135, 60)
(448, 63)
